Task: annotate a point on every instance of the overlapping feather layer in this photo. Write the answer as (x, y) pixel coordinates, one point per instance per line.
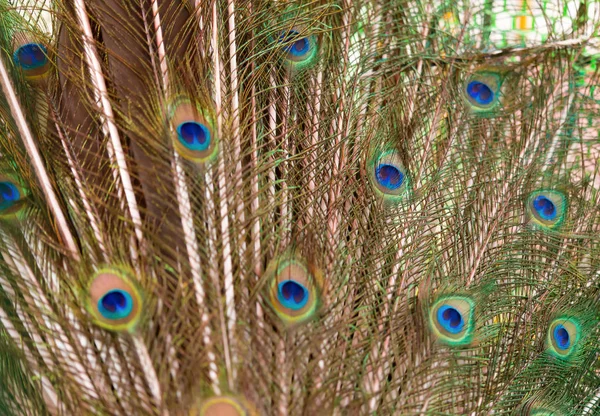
(306, 207)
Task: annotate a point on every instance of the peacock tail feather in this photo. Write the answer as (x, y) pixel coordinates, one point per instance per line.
(311, 207)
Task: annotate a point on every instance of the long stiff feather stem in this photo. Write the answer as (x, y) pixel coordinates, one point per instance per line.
(37, 161)
(228, 330)
(108, 125)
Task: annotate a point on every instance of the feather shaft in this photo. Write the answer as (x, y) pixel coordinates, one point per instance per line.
(149, 371)
(228, 330)
(108, 125)
(36, 159)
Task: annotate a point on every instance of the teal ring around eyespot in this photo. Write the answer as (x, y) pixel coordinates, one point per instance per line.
(460, 335)
(196, 146)
(299, 60)
(540, 200)
(118, 314)
(290, 303)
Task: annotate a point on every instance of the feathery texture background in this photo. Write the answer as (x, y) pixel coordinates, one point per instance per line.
(317, 207)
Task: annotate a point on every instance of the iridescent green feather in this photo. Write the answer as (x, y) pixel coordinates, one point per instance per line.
(383, 207)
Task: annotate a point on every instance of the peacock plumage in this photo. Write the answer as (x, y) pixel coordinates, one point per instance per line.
(317, 207)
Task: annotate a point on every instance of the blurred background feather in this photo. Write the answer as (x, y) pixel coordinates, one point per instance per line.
(318, 207)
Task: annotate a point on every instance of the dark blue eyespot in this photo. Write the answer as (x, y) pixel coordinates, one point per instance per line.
(480, 92)
(31, 56)
(292, 295)
(450, 319)
(116, 304)
(9, 195)
(194, 135)
(389, 176)
(300, 46)
(300, 50)
(114, 301)
(544, 207)
(564, 336)
(561, 337)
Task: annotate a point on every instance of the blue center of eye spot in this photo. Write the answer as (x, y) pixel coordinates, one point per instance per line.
(389, 176)
(300, 46)
(9, 194)
(193, 135)
(544, 207)
(450, 319)
(480, 92)
(115, 304)
(561, 336)
(292, 295)
(31, 55)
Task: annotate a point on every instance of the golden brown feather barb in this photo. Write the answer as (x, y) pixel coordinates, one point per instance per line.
(311, 207)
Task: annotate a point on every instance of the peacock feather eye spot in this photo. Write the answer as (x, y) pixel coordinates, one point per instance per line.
(299, 47)
(12, 197)
(194, 135)
(292, 294)
(389, 176)
(452, 321)
(294, 290)
(115, 302)
(480, 92)
(563, 336)
(31, 56)
(299, 50)
(450, 318)
(9, 194)
(544, 207)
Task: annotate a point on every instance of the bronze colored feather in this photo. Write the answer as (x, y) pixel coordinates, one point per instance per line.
(317, 207)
